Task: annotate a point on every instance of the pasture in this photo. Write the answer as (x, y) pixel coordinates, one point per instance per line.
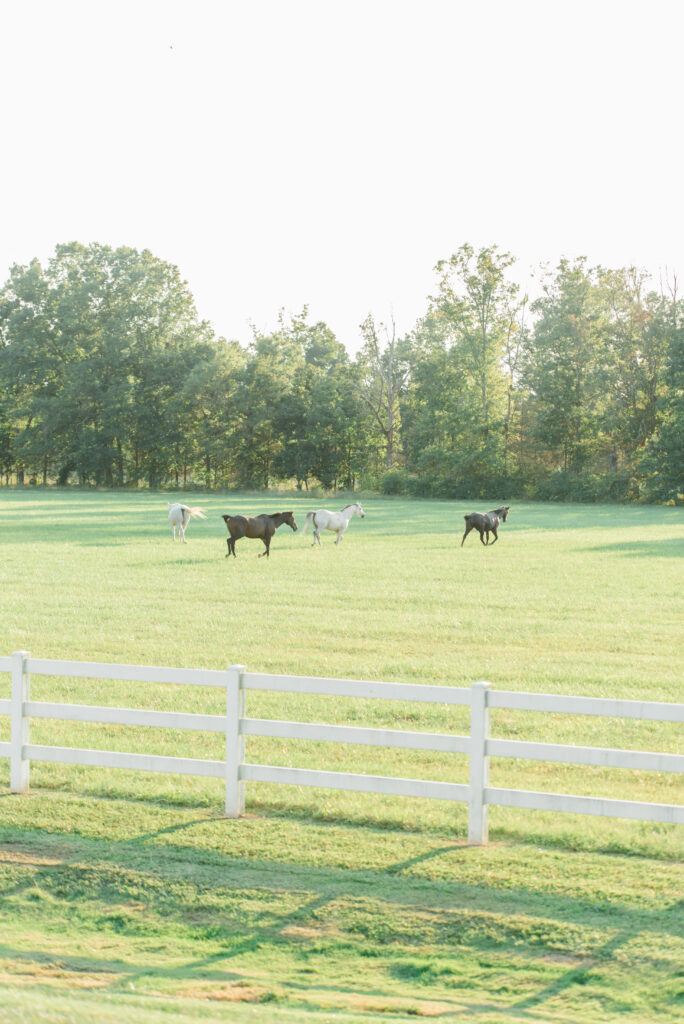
(128, 897)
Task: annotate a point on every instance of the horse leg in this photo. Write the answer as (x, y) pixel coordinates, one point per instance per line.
(496, 535)
(482, 533)
(339, 536)
(267, 543)
(317, 536)
(467, 531)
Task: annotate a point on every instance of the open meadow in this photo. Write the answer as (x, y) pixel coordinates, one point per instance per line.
(129, 897)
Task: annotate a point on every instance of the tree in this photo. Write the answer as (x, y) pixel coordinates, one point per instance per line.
(566, 365)
(477, 305)
(34, 365)
(334, 432)
(270, 402)
(317, 416)
(383, 373)
(465, 370)
(635, 342)
(207, 405)
(94, 350)
(663, 459)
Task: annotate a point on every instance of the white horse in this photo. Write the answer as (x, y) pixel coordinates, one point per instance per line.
(335, 521)
(179, 517)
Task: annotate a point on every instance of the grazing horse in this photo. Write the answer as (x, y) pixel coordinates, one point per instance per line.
(485, 523)
(335, 521)
(179, 517)
(257, 527)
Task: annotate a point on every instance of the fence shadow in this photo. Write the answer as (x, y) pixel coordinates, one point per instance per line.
(290, 905)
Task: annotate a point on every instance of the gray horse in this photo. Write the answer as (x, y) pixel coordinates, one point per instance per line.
(486, 523)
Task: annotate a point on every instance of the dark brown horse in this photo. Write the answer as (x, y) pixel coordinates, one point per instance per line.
(257, 527)
(486, 523)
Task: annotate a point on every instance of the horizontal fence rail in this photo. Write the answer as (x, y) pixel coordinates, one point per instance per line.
(478, 746)
(604, 706)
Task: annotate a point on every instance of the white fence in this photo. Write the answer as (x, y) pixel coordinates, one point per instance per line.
(479, 745)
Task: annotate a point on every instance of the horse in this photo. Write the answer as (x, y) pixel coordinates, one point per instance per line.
(335, 521)
(179, 517)
(256, 527)
(485, 523)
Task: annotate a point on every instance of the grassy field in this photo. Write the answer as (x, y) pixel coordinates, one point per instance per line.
(127, 897)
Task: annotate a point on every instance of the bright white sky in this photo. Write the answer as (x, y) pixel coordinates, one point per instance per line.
(284, 153)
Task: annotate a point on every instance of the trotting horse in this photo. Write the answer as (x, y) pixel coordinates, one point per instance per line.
(335, 521)
(179, 517)
(486, 522)
(257, 527)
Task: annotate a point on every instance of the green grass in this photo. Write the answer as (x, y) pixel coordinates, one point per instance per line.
(126, 896)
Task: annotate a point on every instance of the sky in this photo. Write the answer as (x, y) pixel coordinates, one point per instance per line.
(329, 153)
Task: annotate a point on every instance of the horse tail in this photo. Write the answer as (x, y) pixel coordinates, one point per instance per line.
(309, 517)
(199, 512)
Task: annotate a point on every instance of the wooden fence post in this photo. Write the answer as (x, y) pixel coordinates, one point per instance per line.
(21, 682)
(478, 814)
(235, 742)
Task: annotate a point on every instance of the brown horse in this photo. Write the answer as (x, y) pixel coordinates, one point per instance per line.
(484, 522)
(257, 527)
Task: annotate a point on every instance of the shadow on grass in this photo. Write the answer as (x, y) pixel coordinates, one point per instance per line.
(658, 548)
(378, 912)
(317, 816)
(112, 517)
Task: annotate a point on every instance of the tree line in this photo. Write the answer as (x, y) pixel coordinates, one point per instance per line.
(108, 377)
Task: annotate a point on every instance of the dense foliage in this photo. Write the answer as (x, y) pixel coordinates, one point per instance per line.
(109, 377)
